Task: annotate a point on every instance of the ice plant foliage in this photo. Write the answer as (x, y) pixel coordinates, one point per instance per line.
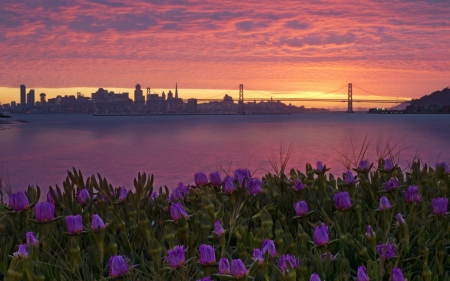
(44, 211)
(374, 227)
(18, 201)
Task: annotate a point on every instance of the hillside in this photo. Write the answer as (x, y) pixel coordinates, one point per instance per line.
(438, 97)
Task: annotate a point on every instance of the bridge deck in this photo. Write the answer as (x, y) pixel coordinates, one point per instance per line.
(312, 99)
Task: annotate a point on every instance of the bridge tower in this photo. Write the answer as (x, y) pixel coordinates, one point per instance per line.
(350, 99)
(241, 98)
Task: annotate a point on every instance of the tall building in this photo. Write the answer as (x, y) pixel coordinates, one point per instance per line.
(43, 101)
(23, 95)
(30, 98)
(176, 90)
(138, 94)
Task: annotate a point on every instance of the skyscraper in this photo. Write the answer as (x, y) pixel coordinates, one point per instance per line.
(23, 95)
(176, 90)
(138, 94)
(43, 101)
(30, 98)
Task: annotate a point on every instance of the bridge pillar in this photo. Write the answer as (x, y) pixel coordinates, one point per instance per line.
(241, 98)
(350, 99)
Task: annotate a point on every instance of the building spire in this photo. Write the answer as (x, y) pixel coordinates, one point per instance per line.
(176, 90)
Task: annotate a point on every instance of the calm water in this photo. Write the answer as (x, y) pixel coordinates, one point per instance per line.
(173, 148)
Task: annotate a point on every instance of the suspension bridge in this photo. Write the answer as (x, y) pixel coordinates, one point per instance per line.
(349, 100)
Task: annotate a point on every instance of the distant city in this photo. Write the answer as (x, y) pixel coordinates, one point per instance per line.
(109, 102)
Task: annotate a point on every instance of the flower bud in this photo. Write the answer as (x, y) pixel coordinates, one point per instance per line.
(238, 269)
(385, 204)
(82, 196)
(207, 254)
(215, 179)
(301, 208)
(97, 223)
(224, 266)
(200, 178)
(321, 235)
(176, 257)
(18, 201)
(74, 224)
(117, 266)
(44, 211)
(439, 206)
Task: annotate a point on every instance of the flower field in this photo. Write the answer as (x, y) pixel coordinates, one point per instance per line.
(373, 222)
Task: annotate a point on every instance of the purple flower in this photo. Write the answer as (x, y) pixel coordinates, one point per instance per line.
(242, 174)
(214, 178)
(385, 204)
(301, 208)
(50, 198)
(285, 259)
(117, 266)
(362, 274)
(177, 210)
(388, 166)
(175, 257)
(218, 229)
(342, 200)
(97, 223)
(321, 235)
(297, 184)
(258, 256)
(22, 252)
(400, 219)
(224, 266)
(369, 231)
(82, 196)
(397, 274)
(254, 186)
(444, 166)
(392, 184)
(386, 251)
(44, 211)
(228, 185)
(153, 196)
(412, 194)
(179, 192)
(31, 239)
(439, 206)
(269, 246)
(238, 269)
(74, 224)
(319, 166)
(18, 201)
(122, 194)
(315, 277)
(207, 254)
(363, 166)
(200, 178)
(349, 178)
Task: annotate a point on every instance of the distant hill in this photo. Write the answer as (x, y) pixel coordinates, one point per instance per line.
(438, 97)
(437, 102)
(401, 106)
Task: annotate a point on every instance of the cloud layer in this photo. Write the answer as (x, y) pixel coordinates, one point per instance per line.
(387, 46)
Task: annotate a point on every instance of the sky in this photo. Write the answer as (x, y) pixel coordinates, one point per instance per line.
(396, 48)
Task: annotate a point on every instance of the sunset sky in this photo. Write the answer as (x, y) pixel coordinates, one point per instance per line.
(280, 48)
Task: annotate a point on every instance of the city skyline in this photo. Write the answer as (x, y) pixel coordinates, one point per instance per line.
(396, 48)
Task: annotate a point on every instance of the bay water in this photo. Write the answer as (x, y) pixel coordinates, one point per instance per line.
(174, 148)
